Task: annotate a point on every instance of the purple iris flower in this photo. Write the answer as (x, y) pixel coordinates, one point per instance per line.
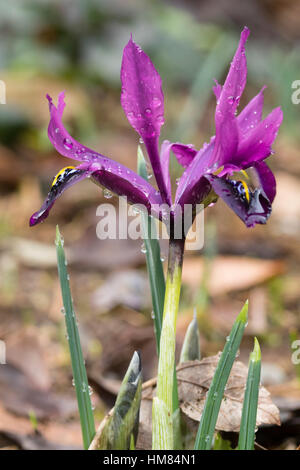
(242, 142)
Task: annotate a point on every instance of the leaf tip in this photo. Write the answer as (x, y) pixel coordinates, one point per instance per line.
(256, 353)
(243, 315)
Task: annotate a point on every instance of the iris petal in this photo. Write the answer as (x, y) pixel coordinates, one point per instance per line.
(228, 99)
(64, 179)
(267, 180)
(143, 102)
(253, 210)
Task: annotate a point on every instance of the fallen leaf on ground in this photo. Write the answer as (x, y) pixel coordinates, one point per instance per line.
(230, 273)
(194, 379)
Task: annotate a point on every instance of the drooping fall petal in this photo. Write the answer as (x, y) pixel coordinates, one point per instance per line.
(252, 207)
(64, 179)
(267, 180)
(105, 171)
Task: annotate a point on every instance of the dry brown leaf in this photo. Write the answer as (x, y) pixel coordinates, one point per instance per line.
(194, 379)
(230, 273)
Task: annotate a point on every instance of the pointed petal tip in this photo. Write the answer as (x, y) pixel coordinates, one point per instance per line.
(245, 33)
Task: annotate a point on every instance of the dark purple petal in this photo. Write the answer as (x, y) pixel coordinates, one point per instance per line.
(184, 153)
(255, 210)
(69, 147)
(257, 145)
(60, 138)
(64, 179)
(143, 102)
(142, 98)
(251, 114)
(165, 149)
(133, 186)
(188, 188)
(229, 98)
(266, 179)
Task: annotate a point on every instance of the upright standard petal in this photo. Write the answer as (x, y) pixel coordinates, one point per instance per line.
(257, 144)
(228, 99)
(143, 102)
(142, 98)
(251, 114)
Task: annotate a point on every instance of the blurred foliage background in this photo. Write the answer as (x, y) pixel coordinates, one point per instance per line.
(47, 46)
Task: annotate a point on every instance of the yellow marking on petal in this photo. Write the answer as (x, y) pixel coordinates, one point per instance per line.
(247, 194)
(61, 172)
(218, 170)
(245, 174)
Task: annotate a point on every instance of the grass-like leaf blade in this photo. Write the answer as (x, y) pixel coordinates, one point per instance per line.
(215, 394)
(248, 421)
(120, 429)
(78, 367)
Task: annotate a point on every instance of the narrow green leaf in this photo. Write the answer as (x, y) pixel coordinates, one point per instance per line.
(215, 394)
(153, 258)
(121, 428)
(248, 421)
(191, 345)
(78, 367)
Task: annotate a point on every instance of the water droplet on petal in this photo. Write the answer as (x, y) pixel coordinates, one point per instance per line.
(68, 144)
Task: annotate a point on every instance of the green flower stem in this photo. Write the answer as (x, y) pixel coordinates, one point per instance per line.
(162, 438)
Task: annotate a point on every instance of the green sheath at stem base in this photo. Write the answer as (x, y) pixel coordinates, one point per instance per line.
(162, 439)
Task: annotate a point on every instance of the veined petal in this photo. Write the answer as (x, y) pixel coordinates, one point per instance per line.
(267, 180)
(63, 180)
(229, 98)
(257, 145)
(251, 114)
(252, 207)
(142, 98)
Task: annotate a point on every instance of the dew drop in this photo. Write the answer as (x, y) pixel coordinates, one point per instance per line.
(107, 194)
(143, 248)
(68, 144)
